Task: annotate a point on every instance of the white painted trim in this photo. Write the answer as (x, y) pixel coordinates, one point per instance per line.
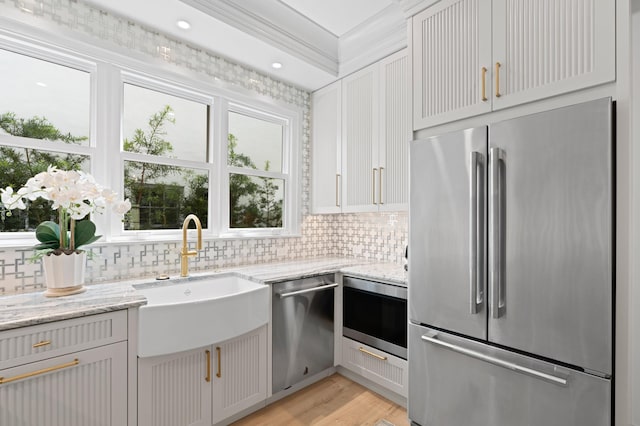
(374, 39)
(280, 26)
(411, 7)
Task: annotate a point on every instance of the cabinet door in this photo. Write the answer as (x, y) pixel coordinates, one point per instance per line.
(360, 140)
(326, 118)
(395, 132)
(451, 61)
(87, 388)
(240, 379)
(175, 390)
(548, 47)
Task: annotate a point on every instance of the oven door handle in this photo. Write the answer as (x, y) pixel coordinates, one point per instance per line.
(308, 290)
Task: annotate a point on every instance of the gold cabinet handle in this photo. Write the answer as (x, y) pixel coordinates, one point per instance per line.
(373, 186)
(484, 84)
(38, 372)
(364, 351)
(337, 189)
(41, 343)
(219, 373)
(208, 355)
(380, 187)
(498, 79)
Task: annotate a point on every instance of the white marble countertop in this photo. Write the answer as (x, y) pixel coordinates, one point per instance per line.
(34, 308)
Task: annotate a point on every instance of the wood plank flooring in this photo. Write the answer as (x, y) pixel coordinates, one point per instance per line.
(335, 400)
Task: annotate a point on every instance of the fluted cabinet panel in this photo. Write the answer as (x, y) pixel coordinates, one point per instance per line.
(451, 45)
(390, 372)
(395, 122)
(44, 341)
(547, 47)
(173, 391)
(326, 126)
(360, 139)
(243, 374)
(87, 388)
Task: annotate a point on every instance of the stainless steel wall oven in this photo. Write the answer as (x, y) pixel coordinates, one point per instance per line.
(375, 314)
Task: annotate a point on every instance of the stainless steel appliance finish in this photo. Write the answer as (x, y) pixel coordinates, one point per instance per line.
(375, 313)
(302, 324)
(511, 235)
(446, 190)
(470, 383)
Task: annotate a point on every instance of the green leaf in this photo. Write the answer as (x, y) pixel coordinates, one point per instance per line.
(48, 232)
(85, 233)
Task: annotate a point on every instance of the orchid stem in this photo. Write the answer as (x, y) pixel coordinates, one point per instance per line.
(72, 228)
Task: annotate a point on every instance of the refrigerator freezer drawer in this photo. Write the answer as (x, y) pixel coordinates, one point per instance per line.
(460, 382)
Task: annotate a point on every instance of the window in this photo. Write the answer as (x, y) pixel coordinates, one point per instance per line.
(174, 145)
(50, 125)
(166, 145)
(255, 154)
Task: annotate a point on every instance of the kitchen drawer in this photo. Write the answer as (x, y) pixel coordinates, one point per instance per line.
(380, 367)
(86, 388)
(30, 344)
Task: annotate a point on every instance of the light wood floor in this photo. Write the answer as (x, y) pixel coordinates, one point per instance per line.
(335, 400)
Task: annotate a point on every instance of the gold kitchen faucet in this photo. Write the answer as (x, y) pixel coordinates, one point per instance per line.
(185, 253)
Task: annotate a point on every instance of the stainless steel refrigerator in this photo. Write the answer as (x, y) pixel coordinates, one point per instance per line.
(511, 272)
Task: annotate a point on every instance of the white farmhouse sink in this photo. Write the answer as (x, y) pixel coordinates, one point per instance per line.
(199, 311)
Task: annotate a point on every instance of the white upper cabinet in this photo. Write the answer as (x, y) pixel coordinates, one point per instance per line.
(326, 133)
(395, 132)
(451, 61)
(475, 56)
(548, 47)
(360, 103)
(361, 128)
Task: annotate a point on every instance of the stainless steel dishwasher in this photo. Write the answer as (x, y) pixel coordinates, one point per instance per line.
(302, 319)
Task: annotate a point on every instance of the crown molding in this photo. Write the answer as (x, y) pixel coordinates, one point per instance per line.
(279, 25)
(379, 36)
(411, 7)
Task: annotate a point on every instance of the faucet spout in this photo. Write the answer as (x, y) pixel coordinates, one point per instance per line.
(185, 252)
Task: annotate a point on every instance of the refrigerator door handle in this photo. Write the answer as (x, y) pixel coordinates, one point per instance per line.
(495, 220)
(475, 281)
(433, 338)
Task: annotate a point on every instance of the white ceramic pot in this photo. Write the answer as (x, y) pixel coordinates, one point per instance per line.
(64, 270)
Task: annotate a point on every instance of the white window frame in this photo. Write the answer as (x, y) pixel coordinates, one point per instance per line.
(289, 155)
(62, 57)
(109, 71)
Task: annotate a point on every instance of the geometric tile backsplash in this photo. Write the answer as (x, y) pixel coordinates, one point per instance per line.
(372, 236)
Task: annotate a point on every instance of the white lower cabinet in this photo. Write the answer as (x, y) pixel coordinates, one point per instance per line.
(77, 388)
(240, 379)
(203, 386)
(380, 367)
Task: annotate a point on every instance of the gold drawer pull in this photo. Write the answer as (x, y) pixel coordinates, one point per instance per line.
(219, 373)
(337, 189)
(373, 185)
(36, 373)
(484, 84)
(208, 355)
(380, 357)
(42, 343)
(498, 65)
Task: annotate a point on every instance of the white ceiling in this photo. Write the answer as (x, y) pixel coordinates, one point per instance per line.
(219, 32)
(338, 16)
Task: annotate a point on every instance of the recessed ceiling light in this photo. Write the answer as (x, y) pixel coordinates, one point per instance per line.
(41, 84)
(276, 65)
(183, 24)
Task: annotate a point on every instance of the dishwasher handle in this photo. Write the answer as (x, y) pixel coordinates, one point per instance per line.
(308, 290)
